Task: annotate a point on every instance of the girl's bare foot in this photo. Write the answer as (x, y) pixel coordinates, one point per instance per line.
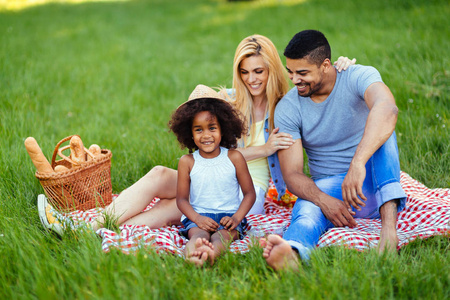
(279, 254)
(203, 250)
(198, 258)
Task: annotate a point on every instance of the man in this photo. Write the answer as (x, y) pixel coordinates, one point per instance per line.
(345, 122)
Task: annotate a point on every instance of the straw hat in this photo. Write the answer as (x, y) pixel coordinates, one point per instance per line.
(202, 91)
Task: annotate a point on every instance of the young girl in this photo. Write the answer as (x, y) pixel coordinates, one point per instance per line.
(209, 179)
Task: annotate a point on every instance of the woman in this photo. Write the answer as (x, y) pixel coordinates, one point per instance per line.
(259, 82)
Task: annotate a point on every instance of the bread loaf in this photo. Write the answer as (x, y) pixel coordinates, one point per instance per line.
(37, 157)
(61, 168)
(95, 150)
(77, 153)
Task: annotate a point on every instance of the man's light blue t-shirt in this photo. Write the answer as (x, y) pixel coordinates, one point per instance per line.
(330, 130)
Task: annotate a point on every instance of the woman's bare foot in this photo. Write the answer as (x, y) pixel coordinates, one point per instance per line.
(388, 241)
(279, 254)
(203, 250)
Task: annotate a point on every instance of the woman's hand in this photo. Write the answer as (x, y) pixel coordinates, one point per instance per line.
(206, 223)
(343, 63)
(277, 141)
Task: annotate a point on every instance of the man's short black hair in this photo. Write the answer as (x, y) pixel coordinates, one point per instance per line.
(309, 44)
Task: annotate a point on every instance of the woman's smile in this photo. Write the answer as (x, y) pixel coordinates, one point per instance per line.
(255, 75)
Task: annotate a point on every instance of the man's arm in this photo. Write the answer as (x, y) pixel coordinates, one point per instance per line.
(291, 163)
(379, 127)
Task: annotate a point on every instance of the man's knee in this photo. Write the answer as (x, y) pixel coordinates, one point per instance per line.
(306, 208)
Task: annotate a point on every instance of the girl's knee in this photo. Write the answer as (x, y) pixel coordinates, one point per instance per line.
(225, 235)
(196, 233)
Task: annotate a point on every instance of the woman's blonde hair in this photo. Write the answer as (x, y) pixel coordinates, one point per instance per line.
(277, 84)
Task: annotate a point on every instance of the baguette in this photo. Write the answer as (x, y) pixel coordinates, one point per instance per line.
(37, 157)
(77, 153)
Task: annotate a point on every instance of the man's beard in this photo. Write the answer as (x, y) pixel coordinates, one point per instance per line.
(312, 91)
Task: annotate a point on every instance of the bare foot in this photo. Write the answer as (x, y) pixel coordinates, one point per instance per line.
(204, 249)
(94, 225)
(388, 241)
(198, 258)
(279, 254)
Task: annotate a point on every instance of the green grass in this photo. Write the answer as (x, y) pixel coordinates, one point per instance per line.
(112, 72)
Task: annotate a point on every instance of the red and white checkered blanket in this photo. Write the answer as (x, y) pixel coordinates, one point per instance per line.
(427, 213)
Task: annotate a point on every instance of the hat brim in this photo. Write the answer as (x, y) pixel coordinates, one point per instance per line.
(203, 92)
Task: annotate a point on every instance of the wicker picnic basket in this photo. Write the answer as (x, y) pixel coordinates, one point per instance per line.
(86, 186)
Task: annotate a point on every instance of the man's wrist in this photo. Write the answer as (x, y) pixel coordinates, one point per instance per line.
(357, 162)
(321, 200)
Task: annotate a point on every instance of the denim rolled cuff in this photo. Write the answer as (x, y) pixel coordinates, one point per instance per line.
(301, 249)
(390, 192)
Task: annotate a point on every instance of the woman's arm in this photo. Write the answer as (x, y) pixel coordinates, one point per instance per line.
(276, 141)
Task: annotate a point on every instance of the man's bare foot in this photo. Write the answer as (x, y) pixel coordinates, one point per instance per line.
(388, 235)
(388, 241)
(204, 249)
(279, 254)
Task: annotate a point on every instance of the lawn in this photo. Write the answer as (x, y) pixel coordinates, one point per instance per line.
(113, 71)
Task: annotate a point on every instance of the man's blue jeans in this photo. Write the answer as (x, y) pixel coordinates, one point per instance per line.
(382, 184)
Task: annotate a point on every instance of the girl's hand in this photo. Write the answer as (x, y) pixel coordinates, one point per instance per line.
(277, 141)
(206, 223)
(343, 63)
(230, 223)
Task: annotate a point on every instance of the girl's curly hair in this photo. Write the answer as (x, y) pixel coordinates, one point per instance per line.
(231, 122)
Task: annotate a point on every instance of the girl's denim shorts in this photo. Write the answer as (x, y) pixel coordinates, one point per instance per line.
(188, 224)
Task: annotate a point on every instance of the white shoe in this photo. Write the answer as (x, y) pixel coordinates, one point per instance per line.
(50, 218)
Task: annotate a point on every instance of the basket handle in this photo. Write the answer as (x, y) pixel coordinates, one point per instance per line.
(58, 151)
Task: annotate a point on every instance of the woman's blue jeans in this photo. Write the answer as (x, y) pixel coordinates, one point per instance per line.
(382, 184)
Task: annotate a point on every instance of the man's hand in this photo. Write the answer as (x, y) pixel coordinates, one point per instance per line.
(337, 213)
(206, 223)
(352, 186)
(229, 223)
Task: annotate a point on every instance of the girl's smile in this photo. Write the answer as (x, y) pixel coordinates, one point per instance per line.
(206, 134)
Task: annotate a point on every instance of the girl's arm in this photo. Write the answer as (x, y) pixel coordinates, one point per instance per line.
(246, 183)
(183, 188)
